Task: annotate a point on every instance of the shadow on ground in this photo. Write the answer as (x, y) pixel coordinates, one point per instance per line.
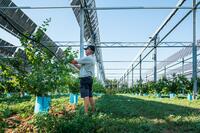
(130, 114)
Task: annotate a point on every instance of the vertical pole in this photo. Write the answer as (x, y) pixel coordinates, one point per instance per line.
(124, 79)
(117, 85)
(146, 78)
(155, 59)
(81, 32)
(132, 76)
(127, 78)
(165, 72)
(140, 69)
(97, 67)
(194, 53)
(183, 62)
(140, 82)
(122, 82)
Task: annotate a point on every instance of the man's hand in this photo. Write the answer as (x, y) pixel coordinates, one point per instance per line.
(74, 62)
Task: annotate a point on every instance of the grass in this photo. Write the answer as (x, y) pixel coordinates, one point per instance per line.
(148, 114)
(115, 113)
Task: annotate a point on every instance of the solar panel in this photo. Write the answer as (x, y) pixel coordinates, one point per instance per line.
(59, 53)
(177, 56)
(7, 51)
(15, 16)
(21, 53)
(49, 43)
(22, 23)
(91, 21)
(187, 67)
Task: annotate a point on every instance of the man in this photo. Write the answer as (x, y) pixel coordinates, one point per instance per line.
(86, 66)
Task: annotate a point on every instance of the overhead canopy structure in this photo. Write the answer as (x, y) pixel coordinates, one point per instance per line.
(11, 52)
(16, 17)
(20, 53)
(6, 51)
(16, 22)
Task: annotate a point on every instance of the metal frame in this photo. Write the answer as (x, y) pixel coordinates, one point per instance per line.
(194, 45)
(122, 44)
(95, 8)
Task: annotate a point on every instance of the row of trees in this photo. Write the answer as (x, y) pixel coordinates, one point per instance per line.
(178, 84)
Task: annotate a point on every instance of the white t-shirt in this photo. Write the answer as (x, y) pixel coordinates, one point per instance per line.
(87, 66)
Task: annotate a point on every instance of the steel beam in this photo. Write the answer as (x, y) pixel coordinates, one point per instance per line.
(95, 8)
(183, 63)
(81, 32)
(194, 53)
(140, 69)
(155, 59)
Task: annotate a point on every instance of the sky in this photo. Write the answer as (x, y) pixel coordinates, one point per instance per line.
(114, 25)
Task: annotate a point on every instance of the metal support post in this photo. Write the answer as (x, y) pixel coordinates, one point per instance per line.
(155, 59)
(194, 53)
(81, 32)
(165, 72)
(146, 78)
(128, 79)
(132, 81)
(124, 78)
(183, 63)
(140, 69)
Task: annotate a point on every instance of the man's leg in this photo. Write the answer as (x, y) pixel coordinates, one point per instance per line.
(92, 103)
(86, 104)
(84, 90)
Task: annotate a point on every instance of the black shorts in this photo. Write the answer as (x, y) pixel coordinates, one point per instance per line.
(86, 87)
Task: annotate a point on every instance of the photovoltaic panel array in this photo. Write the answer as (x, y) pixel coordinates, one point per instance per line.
(19, 23)
(176, 56)
(91, 20)
(17, 17)
(7, 51)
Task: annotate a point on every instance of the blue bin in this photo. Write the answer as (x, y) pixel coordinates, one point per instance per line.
(189, 97)
(8, 95)
(145, 94)
(42, 104)
(26, 94)
(172, 95)
(158, 95)
(73, 98)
